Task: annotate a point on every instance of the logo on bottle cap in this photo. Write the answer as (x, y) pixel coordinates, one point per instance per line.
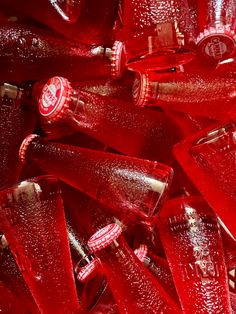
(217, 43)
(54, 98)
(104, 237)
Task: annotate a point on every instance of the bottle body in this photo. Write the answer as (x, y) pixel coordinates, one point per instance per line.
(12, 279)
(36, 205)
(134, 289)
(207, 158)
(192, 241)
(133, 187)
(16, 121)
(158, 35)
(127, 129)
(207, 94)
(88, 22)
(35, 54)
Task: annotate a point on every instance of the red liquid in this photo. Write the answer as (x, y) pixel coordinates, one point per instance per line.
(16, 122)
(121, 89)
(189, 124)
(192, 241)
(233, 302)
(132, 187)
(208, 159)
(181, 184)
(11, 277)
(90, 21)
(207, 94)
(8, 303)
(30, 53)
(134, 289)
(34, 224)
(160, 269)
(106, 304)
(132, 131)
(155, 34)
(85, 212)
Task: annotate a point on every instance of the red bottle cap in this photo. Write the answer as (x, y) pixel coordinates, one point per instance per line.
(24, 146)
(144, 91)
(117, 60)
(55, 98)
(141, 252)
(87, 270)
(216, 42)
(104, 237)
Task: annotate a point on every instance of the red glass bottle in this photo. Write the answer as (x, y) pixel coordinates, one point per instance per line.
(86, 21)
(85, 212)
(159, 268)
(208, 159)
(207, 94)
(121, 88)
(134, 289)
(191, 237)
(233, 302)
(217, 27)
(129, 130)
(90, 281)
(157, 34)
(8, 303)
(11, 278)
(32, 53)
(16, 121)
(32, 219)
(106, 304)
(130, 186)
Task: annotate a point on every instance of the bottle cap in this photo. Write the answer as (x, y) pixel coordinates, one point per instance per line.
(24, 146)
(55, 98)
(141, 252)
(144, 91)
(104, 237)
(216, 42)
(87, 270)
(117, 60)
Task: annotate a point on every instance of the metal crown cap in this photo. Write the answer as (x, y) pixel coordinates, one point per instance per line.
(24, 146)
(141, 252)
(217, 42)
(87, 270)
(55, 98)
(117, 60)
(104, 237)
(141, 90)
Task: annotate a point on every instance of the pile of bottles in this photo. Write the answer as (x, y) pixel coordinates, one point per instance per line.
(118, 156)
